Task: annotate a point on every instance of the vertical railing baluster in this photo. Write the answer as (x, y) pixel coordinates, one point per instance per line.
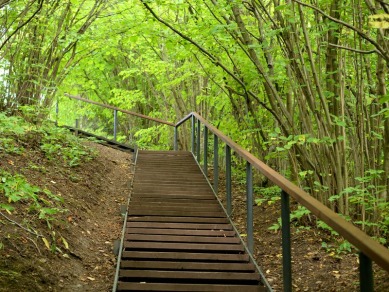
(215, 163)
(286, 249)
(205, 150)
(56, 112)
(115, 124)
(228, 180)
(249, 198)
(193, 134)
(198, 140)
(175, 138)
(77, 127)
(366, 281)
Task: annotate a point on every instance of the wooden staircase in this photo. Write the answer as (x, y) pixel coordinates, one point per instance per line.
(177, 236)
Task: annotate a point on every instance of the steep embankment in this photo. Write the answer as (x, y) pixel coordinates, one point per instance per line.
(58, 222)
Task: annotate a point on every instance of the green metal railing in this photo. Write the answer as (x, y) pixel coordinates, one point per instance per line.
(369, 249)
(115, 114)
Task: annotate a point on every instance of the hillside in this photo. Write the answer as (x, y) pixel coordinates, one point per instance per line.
(80, 236)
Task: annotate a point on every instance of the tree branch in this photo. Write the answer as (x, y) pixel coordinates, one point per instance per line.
(23, 24)
(355, 50)
(21, 226)
(380, 50)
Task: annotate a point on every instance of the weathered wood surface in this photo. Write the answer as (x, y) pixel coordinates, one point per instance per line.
(177, 235)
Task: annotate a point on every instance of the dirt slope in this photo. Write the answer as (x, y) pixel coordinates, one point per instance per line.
(93, 194)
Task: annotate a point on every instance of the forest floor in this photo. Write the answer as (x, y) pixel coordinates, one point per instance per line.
(93, 193)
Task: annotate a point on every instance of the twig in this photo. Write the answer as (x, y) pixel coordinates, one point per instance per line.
(33, 241)
(21, 226)
(362, 34)
(354, 50)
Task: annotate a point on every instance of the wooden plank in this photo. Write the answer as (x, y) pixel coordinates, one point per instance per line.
(186, 256)
(181, 190)
(188, 287)
(166, 183)
(165, 265)
(183, 246)
(180, 225)
(174, 194)
(181, 238)
(167, 219)
(215, 233)
(175, 206)
(179, 213)
(209, 200)
(187, 275)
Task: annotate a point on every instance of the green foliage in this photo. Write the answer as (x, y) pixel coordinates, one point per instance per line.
(12, 125)
(337, 249)
(16, 189)
(59, 143)
(55, 142)
(155, 137)
(268, 194)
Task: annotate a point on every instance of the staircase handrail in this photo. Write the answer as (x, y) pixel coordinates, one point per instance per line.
(120, 110)
(364, 243)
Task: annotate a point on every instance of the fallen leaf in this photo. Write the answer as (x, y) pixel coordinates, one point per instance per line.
(65, 243)
(46, 242)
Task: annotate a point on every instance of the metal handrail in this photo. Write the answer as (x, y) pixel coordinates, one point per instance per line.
(369, 248)
(120, 110)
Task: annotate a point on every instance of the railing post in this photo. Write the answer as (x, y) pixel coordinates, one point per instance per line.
(115, 124)
(205, 150)
(77, 125)
(228, 180)
(249, 198)
(286, 250)
(193, 134)
(215, 163)
(56, 112)
(366, 280)
(198, 140)
(175, 138)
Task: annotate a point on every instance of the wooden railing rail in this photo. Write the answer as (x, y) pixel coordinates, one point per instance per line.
(368, 247)
(120, 110)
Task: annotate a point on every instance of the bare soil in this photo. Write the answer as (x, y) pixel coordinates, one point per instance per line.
(93, 194)
(313, 267)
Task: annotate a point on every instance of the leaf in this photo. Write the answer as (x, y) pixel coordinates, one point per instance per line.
(47, 244)
(65, 243)
(7, 208)
(384, 99)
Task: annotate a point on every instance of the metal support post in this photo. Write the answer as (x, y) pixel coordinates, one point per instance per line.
(198, 140)
(77, 125)
(215, 163)
(193, 134)
(286, 250)
(56, 112)
(366, 280)
(175, 138)
(205, 150)
(249, 198)
(115, 124)
(228, 180)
